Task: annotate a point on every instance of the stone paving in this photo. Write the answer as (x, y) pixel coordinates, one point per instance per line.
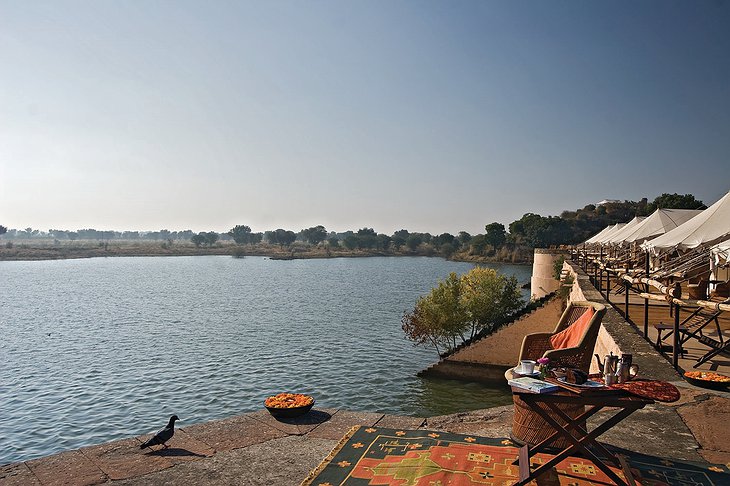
(256, 449)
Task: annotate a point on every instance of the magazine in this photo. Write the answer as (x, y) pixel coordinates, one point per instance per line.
(533, 384)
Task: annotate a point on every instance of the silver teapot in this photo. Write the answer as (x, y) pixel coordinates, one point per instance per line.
(626, 371)
(609, 368)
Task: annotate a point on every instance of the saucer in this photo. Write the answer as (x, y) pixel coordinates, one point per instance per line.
(518, 370)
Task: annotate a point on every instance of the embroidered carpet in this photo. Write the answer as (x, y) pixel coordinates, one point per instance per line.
(378, 456)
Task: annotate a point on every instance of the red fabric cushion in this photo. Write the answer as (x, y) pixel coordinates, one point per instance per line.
(571, 335)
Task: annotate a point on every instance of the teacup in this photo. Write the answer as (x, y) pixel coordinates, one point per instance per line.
(527, 367)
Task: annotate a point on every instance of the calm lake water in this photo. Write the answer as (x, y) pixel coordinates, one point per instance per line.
(100, 349)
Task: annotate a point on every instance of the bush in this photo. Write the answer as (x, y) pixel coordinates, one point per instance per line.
(558, 267)
(460, 307)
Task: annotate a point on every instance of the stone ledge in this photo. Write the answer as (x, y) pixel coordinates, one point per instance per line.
(260, 450)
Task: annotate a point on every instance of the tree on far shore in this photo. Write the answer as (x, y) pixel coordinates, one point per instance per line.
(280, 237)
(205, 238)
(314, 235)
(675, 201)
(496, 235)
(241, 234)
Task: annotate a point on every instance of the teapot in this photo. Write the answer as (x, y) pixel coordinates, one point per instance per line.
(609, 368)
(626, 371)
(617, 370)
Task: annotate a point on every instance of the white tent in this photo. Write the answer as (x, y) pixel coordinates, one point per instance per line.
(601, 237)
(710, 226)
(658, 223)
(618, 236)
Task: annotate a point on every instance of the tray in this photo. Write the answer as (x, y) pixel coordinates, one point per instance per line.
(588, 384)
(583, 390)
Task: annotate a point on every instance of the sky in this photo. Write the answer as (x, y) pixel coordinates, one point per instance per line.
(419, 115)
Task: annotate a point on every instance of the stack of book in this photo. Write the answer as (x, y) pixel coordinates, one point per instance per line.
(533, 384)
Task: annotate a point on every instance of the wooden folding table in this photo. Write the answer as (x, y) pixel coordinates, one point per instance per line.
(546, 405)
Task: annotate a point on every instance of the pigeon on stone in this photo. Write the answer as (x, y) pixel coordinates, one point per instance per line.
(163, 435)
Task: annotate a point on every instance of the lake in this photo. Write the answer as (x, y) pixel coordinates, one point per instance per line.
(100, 349)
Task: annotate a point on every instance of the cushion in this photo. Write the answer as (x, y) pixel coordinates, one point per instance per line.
(571, 335)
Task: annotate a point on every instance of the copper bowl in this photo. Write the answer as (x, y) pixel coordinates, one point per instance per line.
(290, 412)
(713, 385)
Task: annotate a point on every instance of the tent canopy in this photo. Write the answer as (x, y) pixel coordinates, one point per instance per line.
(659, 222)
(710, 226)
(600, 234)
(601, 237)
(618, 237)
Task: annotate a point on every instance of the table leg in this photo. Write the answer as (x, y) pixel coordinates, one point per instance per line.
(580, 443)
(570, 423)
(626, 468)
(584, 433)
(524, 458)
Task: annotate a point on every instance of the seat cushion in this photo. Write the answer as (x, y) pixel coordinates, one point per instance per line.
(572, 335)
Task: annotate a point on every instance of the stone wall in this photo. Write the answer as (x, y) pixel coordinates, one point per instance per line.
(488, 358)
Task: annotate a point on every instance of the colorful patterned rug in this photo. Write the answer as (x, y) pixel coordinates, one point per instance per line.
(377, 456)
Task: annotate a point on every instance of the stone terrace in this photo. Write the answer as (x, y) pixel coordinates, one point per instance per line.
(256, 449)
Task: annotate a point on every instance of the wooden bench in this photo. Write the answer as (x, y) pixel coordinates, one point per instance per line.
(660, 328)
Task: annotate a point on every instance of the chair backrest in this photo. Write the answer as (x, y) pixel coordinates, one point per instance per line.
(574, 310)
(580, 356)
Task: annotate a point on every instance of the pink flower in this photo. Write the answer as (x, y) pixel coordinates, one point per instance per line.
(543, 361)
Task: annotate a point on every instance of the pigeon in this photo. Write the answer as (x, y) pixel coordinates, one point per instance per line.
(163, 435)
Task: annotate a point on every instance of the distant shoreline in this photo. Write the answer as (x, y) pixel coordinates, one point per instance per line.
(33, 251)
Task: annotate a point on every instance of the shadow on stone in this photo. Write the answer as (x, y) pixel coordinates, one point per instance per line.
(174, 452)
(310, 418)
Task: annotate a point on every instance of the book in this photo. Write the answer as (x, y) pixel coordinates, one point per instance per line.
(533, 384)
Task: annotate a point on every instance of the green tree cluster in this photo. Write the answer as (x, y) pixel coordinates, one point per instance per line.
(280, 237)
(459, 307)
(242, 235)
(572, 227)
(314, 235)
(209, 238)
(674, 201)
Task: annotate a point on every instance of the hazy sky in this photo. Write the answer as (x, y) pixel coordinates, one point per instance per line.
(429, 116)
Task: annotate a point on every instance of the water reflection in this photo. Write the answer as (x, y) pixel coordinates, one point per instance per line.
(438, 396)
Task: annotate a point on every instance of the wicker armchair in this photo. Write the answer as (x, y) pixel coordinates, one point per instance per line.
(537, 345)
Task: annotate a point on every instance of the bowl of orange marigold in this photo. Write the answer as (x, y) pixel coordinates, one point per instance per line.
(708, 379)
(288, 405)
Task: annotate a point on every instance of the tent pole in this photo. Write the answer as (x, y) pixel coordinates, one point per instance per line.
(646, 301)
(675, 338)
